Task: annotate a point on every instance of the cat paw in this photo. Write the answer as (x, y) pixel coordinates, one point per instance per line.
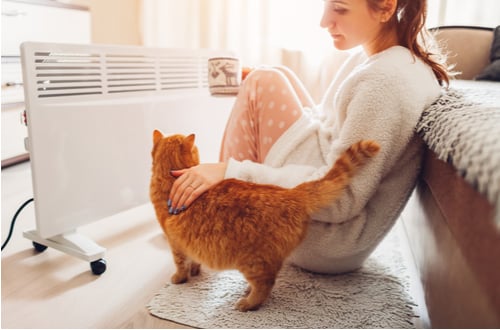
(243, 305)
(178, 278)
(195, 269)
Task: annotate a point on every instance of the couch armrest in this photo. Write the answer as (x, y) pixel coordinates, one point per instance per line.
(456, 248)
(468, 48)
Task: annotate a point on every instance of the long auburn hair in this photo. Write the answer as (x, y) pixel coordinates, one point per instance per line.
(409, 21)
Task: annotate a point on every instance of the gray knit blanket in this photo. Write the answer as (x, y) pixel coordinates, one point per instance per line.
(463, 128)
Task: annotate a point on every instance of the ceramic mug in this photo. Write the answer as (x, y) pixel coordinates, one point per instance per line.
(224, 75)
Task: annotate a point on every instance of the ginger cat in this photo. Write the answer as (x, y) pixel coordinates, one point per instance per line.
(241, 225)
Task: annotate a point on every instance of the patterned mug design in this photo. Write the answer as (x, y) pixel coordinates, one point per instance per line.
(224, 75)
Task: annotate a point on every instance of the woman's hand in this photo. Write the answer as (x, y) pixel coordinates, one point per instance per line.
(192, 182)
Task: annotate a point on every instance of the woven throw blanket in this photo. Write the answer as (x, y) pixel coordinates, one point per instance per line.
(463, 128)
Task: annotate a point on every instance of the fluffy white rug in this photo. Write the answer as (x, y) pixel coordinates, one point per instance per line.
(375, 296)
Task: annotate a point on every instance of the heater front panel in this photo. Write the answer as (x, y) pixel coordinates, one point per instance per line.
(90, 135)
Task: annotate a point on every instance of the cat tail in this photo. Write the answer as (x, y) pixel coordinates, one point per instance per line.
(321, 193)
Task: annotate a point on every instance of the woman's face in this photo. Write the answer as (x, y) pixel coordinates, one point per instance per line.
(352, 23)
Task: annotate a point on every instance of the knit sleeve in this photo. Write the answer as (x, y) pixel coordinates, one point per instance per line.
(287, 176)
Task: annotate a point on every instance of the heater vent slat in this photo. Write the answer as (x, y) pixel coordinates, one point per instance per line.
(69, 71)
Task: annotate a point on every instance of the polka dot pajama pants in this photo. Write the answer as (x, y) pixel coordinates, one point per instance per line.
(269, 102)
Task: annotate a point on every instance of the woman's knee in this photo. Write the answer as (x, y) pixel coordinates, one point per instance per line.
(274, 74)
(286, 71)
(282, 79)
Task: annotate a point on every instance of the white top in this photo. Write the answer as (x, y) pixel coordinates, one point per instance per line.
(379, 98)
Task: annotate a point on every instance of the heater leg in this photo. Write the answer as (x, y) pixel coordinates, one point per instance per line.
(98, 267)
(39, 247)
(73, 244)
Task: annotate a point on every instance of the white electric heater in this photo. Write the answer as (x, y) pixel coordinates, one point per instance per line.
(91, 111)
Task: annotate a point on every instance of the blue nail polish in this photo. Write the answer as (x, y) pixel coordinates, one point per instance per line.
(176, 211)
(183, 208)
(170, 210)
(169, 203)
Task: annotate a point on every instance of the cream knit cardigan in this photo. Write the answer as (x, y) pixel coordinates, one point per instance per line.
(381, 98)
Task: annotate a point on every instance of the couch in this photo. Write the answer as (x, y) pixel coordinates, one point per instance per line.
(452, 218)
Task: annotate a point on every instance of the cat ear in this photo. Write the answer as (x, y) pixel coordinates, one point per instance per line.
(189, 141)
(157, 136)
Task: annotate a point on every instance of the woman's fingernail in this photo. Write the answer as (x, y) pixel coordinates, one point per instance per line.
(169, 203)
(177, 211)
(183, 208)
(170, 210)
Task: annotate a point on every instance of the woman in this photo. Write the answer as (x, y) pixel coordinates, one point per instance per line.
(275, 135)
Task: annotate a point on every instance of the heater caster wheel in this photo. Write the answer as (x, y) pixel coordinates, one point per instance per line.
(39, 247)
(98, 267)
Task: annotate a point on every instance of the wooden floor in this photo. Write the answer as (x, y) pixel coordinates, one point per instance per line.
(55, 290)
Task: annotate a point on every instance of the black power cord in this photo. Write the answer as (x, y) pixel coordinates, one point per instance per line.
(11, 230)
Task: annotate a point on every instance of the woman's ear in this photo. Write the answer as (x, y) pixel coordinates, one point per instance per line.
(388, 10)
